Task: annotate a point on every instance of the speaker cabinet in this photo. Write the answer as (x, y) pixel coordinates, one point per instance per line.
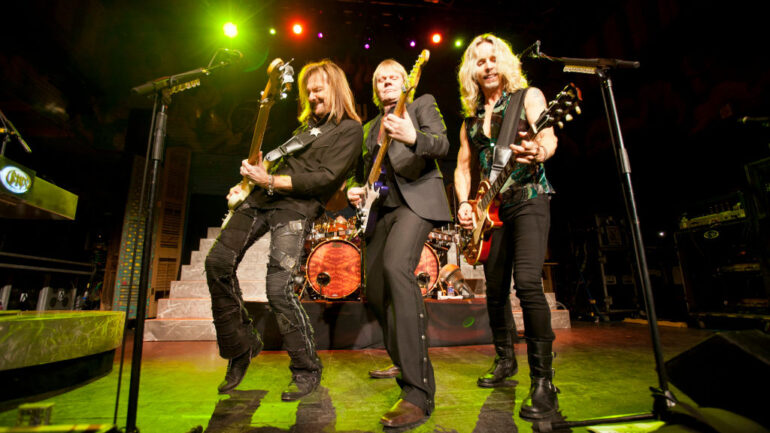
(729, 370)
(721, 269)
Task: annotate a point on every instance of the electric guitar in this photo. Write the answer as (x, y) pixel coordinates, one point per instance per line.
(375, 183)
(476, 241)
(278, 83)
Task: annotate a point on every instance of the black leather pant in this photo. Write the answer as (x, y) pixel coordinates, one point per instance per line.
(392, 292)
(519, 247)
(232, 322)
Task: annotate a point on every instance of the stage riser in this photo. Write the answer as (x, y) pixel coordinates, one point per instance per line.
(186, 315)
(202, 329)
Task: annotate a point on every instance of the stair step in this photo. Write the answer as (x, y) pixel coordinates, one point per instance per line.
(251, 289)
(179, 330)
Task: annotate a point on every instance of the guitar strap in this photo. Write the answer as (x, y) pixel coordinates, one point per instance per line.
(507, 133)
(299, 141)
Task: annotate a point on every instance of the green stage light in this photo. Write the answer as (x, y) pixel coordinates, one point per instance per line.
(458, 43)
(231, 30)
(272, 31)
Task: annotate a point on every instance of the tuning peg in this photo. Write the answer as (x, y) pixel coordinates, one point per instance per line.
(568, 118)
(560, 124)
(578, 110)
(284, 95)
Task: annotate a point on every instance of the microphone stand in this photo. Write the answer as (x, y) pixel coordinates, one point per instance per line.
(663, 399)
(162, 88)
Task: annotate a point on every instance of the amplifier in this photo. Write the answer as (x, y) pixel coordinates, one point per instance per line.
(56, 299)
(715, 211)
(721, 266)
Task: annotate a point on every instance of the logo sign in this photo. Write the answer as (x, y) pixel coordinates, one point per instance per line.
(15, 179)
(711, 234)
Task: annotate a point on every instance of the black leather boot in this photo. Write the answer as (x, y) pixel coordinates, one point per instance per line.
(236, 367)
(542, 401)
(302, 384)
(503, 367)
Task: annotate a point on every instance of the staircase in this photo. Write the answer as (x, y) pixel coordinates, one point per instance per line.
(186, 314)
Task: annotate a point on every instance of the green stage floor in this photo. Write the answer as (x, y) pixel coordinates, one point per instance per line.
(602, 370)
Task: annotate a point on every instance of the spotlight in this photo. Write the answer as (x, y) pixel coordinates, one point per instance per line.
(436, 38)
(367, 46)
(297, 29)
(272, 31)
(661, 234)
(458, 43)
(320, 35)
(231, 30)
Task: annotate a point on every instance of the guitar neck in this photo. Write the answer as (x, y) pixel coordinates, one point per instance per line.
(259, 132)
(374, 174)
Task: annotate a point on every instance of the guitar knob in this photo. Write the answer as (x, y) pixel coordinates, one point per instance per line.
(568, 117)
(578, 110)
(560, 124)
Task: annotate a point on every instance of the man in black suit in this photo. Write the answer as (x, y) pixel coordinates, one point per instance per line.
(415, 204)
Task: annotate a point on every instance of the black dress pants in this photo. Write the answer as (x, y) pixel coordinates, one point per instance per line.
(235, 331)
(392, 292)
(519, 246)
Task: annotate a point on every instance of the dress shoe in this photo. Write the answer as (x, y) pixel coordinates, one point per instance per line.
(236, 368)
(385, 373)
(501, 369)
(403, 414)
(301, 385)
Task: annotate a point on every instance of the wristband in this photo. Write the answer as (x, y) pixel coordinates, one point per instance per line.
(270, 180)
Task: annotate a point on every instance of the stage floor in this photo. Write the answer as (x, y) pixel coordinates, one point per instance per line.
(602, 369)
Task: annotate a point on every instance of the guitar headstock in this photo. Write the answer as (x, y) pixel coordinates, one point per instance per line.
(414, 75)
(562, 107)
(280, 77)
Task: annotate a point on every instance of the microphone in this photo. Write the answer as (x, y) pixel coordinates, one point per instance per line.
(532, 51)
(233, 55)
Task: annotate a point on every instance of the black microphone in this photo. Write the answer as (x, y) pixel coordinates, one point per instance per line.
(531, 51)
(234, 55)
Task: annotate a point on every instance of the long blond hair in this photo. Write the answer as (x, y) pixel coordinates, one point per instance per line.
(508, 67)
(342, 102)
(385, 64)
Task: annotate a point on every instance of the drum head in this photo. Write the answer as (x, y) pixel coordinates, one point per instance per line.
(427, 270)
(334, 269)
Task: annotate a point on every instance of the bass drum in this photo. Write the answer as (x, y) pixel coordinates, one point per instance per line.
(427, 270)
(334, 268)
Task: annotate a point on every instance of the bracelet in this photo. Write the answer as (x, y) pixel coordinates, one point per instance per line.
(462, 202)
(270, 179)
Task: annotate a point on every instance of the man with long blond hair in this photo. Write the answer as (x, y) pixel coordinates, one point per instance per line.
(491, 88)
(415, 203)
(287, 197)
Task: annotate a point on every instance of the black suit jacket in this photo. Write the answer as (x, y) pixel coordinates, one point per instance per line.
(416, 170)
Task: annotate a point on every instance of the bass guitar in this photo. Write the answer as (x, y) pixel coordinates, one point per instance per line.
(375, 183)
(476, 241)
(278, 83)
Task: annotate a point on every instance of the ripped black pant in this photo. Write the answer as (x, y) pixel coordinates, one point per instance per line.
(235, 331)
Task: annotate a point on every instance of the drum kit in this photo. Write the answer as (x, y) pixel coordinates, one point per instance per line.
(333, 268)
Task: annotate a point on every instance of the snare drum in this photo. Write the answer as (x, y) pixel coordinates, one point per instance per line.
(333, 268)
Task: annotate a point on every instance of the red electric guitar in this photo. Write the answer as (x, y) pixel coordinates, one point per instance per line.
(476, 241)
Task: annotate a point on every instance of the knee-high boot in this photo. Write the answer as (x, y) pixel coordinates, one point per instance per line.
(505, 364)
(542, 401)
